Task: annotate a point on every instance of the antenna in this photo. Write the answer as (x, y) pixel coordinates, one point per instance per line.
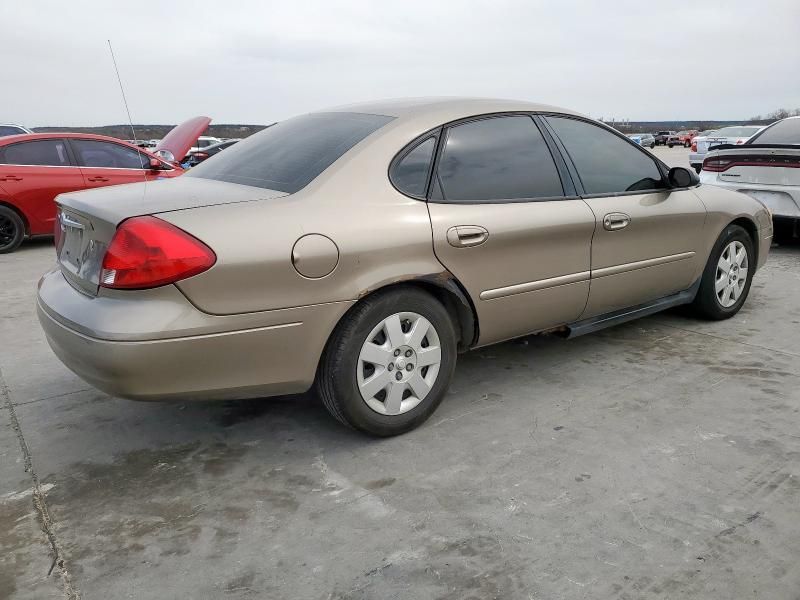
(125, 100)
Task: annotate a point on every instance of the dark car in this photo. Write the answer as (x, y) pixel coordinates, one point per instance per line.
(195, 158)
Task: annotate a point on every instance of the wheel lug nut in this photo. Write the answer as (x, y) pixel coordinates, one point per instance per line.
(391, 366)
(399, 375)
(409, 367)
(408, 353)
(397, 352)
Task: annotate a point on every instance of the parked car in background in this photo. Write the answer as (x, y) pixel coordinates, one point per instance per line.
(198, 156)
(11, 129)
(682, 138)
(35, 168)
(662, 136)
(203, 142)
(766, 167)
(736, 134)
(644, 139)
(333, 249)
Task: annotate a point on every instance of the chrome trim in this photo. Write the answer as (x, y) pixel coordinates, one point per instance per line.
(640, 264)
(532, 286)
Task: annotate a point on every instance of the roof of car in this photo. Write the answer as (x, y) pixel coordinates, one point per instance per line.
(22, 137)
(455, 107)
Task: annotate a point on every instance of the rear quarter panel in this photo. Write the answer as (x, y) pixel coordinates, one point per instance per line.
(382, 237)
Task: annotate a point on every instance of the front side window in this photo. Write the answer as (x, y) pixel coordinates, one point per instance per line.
(500, 158)
(51, 153)
(94, 153)
(410, 174)
(289, 155)
(606, 163)
(783, 132)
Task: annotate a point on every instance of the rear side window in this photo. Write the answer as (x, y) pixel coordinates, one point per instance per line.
(783, 132)
(93, 153)
(289, 155)
(51, 153)
(410, 175)
(501, 158)
(605, 162)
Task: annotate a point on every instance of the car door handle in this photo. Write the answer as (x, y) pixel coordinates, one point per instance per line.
(98, 178)
(615, 221)
(10, 178)
(465, 236)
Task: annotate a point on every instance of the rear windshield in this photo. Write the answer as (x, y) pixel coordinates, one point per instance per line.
(783, 132)
(737, 131)
(289, 155)
(9, 130)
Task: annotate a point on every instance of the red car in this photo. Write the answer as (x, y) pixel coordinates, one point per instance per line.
(35, 168)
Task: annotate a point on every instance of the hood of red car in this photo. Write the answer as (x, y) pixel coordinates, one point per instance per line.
(182, 137)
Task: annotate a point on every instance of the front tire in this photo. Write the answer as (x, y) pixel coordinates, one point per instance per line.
(727, 277)
(12, 230)
(389, 362)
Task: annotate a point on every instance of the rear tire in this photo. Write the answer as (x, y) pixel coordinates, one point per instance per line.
(670, 145)
(373, 346)
(722, 292)
(12, 230)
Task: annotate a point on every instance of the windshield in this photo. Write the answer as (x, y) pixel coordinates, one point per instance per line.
(737, 132)
(782, 132)
(289, 155)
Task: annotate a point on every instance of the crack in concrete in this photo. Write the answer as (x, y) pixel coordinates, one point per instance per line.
(39, 500)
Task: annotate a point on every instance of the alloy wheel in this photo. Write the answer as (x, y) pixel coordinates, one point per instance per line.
(8, 231)
(731, 276)
(398, 363)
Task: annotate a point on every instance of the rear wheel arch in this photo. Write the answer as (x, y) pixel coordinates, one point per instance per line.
(445, 288)
(21, 215)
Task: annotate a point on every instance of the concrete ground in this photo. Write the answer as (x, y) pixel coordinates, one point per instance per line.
(658, 459)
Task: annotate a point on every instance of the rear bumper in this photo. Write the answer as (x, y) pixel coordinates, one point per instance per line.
(782, 201)
(162, 347)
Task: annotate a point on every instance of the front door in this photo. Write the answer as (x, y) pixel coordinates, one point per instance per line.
(32, 174)
(648, 239)
(504, 226)
(107, 163)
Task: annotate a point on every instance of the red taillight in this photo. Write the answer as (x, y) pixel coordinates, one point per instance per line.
(694, 146)
(716, 164)
(147, 252)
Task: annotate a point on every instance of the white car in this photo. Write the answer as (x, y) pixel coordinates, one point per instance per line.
(736, 134)
(11, 129)
(203, 142)
(766, 167)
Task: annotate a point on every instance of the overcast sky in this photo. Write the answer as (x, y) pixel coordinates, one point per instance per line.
(257, 62)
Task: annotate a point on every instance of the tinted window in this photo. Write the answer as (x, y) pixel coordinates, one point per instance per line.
(502, 158)
(290, 154)
(92, 153)
(737, 131)
(8, 130)
(605, 162)
(410, 175)
(783, 132)
(38, 152)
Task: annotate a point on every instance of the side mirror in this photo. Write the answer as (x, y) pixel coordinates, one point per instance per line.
(681, 177)
(156, 165)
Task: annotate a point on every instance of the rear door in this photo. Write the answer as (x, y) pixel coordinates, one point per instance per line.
(507, 227)
(648, 239)
(32, 174)
(107, 163)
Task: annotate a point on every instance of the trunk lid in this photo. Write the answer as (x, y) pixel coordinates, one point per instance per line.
(176, 144)
(87, 220)
(765, 166)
